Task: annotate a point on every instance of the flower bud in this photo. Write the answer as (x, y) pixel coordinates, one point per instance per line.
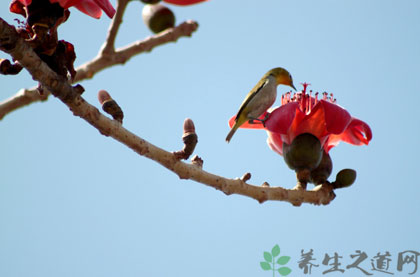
(110, 106)
(320, 174)
(305, 152)
(189, 127)
(103, 96)
(158, 17)
(344, 178)
(190, 140)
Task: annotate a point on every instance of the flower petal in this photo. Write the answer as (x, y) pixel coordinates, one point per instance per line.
(247, 125)
(66, 3)
(357, 133)
(17, 6)
(324, 119)
(184, 2)
(106, 7)
(92, 8)
(275, 142)
(336, 117)
(281, 118)
(312, 123)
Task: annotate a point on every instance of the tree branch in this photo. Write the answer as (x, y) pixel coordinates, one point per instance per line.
(23, 98)
(122, 55)
(104, 60)
(60, 88)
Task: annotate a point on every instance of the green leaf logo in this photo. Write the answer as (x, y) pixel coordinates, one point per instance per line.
(275, 251)
(283, 260)
(265, 265)
(271, 262)
(284, 271)
(268, 257)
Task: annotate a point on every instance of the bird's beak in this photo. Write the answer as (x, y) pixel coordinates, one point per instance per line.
(293, 86)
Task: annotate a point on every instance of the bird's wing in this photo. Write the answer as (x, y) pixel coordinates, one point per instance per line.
(251, 95)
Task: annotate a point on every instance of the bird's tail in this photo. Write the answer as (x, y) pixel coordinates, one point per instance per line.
(231, 133)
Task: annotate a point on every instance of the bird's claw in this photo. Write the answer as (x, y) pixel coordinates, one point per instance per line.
(262, 121)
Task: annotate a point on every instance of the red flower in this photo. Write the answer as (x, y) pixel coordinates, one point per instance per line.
(92, 8)
(183, 2)
(303, 113)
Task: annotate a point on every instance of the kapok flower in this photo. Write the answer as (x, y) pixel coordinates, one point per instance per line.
(92, 8)
(302, 113)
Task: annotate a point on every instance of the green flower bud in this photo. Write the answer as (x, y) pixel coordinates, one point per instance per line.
(305, 152)
(320, 174)
(345, 178)
(158, 17)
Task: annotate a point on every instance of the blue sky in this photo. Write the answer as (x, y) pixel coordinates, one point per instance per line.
(75, 203)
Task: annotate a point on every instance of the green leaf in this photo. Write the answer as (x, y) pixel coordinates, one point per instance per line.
(284, 271)
(268, 257)
(265, 265)
(283, 260)
(275, 251)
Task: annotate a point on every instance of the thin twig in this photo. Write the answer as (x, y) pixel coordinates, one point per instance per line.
(23, 98)
(109, 45)
(61, 89)
(102, 61)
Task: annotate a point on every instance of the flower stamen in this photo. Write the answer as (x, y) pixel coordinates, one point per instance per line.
(310, 100)
(305, 100)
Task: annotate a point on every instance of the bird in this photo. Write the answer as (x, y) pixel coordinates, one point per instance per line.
(261, 97)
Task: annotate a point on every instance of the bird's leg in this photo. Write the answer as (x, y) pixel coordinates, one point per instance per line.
(262, 121)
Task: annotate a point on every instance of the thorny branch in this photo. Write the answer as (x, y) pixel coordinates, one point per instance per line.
(70, 96)
(107, 57)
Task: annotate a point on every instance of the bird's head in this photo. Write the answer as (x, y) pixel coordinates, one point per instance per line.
(282, 76)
